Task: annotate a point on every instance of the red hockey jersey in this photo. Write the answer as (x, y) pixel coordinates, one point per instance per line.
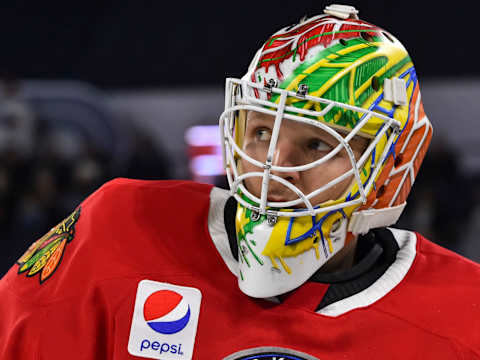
(143, 269)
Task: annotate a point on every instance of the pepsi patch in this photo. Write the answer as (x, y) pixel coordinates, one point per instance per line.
(164, 322)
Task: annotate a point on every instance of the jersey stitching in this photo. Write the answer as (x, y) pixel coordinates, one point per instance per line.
(46, 304)
(453, 255)
(451, 339)
(450, 256)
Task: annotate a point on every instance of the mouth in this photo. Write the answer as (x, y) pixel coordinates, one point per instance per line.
(276, 198)
(281, 195)
(300, 206)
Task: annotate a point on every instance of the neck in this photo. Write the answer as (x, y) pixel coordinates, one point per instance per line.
(343, 260)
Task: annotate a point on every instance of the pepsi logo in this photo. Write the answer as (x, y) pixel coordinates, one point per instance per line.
(166, 312)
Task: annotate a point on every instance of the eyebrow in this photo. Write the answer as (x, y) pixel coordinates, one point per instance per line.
(269, 118)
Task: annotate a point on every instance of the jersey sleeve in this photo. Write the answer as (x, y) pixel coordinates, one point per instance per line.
(38, 322)
(70, 296)
(50, 304)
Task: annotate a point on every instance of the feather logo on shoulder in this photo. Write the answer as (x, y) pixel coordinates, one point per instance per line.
(45, 254)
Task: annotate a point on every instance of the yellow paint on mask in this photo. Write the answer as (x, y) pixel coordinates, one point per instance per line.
(276, 248)
(241, 220)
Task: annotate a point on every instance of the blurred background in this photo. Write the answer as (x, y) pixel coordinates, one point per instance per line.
(93, 91)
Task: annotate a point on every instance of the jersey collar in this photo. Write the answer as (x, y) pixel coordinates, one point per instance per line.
(399, 247)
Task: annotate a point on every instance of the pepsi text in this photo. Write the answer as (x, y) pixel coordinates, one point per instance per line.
(161, 348)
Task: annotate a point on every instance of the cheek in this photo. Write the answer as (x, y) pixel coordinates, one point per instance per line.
(256, 150)
(323, 174)
(245, 166)
(252, 184)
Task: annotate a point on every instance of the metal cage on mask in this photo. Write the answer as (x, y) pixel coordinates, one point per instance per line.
(239, 95)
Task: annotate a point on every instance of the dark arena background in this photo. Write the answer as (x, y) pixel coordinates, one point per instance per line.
(93, 91)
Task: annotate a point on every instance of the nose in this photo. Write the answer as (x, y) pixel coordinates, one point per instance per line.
(286, 154)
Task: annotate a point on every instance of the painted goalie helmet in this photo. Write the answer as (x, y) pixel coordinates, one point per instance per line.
(347, 79)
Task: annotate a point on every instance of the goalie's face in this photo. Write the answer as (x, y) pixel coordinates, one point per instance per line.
(331, 151)
(297, 144)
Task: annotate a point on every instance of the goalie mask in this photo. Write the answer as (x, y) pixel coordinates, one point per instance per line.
(322, 140)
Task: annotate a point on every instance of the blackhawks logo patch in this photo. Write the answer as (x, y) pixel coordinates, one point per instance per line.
(45, 254)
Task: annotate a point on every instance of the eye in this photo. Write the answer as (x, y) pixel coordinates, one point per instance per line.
(318, 145)
(263, 134)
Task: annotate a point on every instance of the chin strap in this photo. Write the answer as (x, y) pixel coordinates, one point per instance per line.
(362, 221)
